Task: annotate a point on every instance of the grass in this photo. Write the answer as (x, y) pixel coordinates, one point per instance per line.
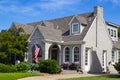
(15, 76)
(110, 77)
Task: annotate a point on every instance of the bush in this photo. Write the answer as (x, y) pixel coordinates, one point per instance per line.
(48, 66)
(7, 68)
(33, 66)
(117, 66)
(22, 67)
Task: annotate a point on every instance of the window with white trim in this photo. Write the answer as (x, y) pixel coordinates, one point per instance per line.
(113, 56)
(75, 28)
(114, 33)
(86, 56)
(111, 33)
(76, 54)
(67, 54)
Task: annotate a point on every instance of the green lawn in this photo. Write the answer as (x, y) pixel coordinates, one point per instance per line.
(15, 76)
(110, 77)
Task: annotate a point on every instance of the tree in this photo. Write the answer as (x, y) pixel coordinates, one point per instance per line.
(12, 45)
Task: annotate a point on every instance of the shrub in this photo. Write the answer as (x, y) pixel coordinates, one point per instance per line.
(117, 66)
(7, 68)
(22, 67)
(33, 66)
(48, 66)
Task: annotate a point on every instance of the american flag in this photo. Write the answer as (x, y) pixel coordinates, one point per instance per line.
(36, 52)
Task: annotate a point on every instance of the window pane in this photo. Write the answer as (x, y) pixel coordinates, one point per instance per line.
(86, 56)
(114, 33)
(111, 33)
(75, 28)
(67, 54)
(113, 56)
(76, 54)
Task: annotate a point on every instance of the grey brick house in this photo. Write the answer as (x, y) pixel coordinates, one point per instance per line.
(84, 39)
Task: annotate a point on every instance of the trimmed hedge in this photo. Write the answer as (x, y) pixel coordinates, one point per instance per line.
(22, 67)
(48, 66)
(7, 68)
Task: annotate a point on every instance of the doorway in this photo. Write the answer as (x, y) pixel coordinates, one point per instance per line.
(54, 53)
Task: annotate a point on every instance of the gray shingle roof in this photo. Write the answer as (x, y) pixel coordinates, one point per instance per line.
(50, 33)
(58, 29)
(27, 28)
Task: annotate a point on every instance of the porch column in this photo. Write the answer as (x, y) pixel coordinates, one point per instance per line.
(47, 46)
(82, 57)
(60, 54)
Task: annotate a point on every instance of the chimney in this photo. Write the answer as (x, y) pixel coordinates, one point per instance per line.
(98, 11)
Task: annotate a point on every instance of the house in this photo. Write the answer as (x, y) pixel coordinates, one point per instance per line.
(84, 39)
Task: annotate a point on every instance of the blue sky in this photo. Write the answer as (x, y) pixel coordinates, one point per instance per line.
(25, 11)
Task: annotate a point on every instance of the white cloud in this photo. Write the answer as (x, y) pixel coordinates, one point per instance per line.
(33, 8)
(58, 4)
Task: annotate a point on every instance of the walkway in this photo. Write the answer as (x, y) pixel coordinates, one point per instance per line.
(66, 74)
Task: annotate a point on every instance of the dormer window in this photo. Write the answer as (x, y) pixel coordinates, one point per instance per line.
(75, 28)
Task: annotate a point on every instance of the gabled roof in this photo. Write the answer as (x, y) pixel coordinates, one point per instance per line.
(50, 33)
(58, 29)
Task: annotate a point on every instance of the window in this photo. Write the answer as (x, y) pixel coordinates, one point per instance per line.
(119, 55)
(103, 59)
(86, 56)
(111, 33)
(67, 54)
(76, 54)
(114, 33)
(113, 56)
(75, 28)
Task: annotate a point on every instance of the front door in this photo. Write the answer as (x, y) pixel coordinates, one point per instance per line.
(87, 59)
(54, 53)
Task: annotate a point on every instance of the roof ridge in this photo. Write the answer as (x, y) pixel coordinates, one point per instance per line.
(61, 18)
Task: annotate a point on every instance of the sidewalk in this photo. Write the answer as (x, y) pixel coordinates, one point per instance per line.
(58, 76)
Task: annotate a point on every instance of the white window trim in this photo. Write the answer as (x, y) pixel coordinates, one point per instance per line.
(113, 57)
(64, 55)
(73, 55)
(104, 60)
(87, 67)
(78, 28)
